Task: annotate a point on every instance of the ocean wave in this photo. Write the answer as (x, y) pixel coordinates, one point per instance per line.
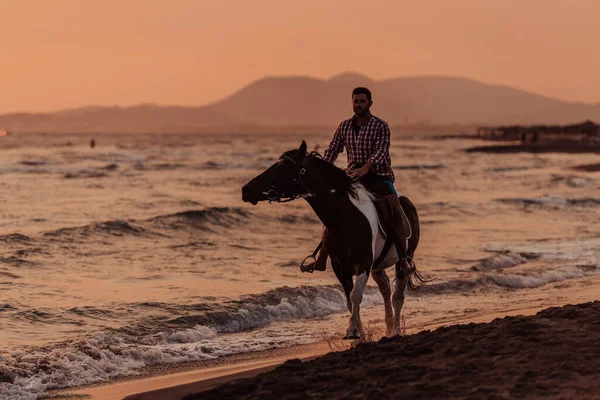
(159, 166)
(508, 169)
(281, 304)
(553, 200)
(222, 165)
(200, 219)
(419, 166)
(14, 238)
(579, 181)
(108, 228)
(16, 261)
(451, 287)
(190, 335)
(7, 274)
(92, 312)
(221, 216)
(522, 281)
(501, 260)
(508, 281)
(86, 173)
(110, 354)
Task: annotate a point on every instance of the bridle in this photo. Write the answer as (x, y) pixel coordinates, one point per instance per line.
(274, 196)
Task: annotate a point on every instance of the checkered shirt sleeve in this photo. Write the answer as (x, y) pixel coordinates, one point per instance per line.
(336, 146)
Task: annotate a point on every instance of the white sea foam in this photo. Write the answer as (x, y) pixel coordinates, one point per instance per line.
(328, 300)
(498, 261)
(105, 356)
(579, 181)
(190, 335)
(516, 281)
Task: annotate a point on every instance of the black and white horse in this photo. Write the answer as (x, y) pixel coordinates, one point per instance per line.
(354, 239)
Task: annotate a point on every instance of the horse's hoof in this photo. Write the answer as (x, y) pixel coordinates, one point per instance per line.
(351, 337)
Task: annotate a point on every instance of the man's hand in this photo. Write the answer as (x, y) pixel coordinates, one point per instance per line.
(357, 173)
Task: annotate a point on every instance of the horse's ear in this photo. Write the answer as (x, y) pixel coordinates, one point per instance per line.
(302, 149)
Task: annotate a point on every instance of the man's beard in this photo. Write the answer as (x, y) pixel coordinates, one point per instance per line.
(360, 111)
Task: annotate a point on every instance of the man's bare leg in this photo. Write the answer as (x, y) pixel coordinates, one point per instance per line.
(401, 240)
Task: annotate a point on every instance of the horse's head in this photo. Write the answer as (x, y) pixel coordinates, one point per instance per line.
(281, 181)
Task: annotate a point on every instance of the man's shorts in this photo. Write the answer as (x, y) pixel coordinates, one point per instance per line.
(392, 188)
(378, 185)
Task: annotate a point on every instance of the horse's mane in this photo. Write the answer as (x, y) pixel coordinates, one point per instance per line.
(336, 178)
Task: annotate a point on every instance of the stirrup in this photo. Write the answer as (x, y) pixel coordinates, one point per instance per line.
(313, 256)
(306, 269)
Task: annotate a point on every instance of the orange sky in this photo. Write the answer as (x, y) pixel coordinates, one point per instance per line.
(65, 53)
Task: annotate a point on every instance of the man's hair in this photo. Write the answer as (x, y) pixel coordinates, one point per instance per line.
(362, 90)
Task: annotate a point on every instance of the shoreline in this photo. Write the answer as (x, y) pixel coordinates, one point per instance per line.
(166, 382)
(169, 378)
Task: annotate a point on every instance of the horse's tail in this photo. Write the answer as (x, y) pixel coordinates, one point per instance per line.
(415, 279)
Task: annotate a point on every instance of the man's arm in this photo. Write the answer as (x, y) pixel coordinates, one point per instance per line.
(335, 147)
(357, 173)
(382, 145)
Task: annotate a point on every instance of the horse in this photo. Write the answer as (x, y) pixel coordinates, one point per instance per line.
(355, 240)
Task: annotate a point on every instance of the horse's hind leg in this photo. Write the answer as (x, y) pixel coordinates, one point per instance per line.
(384, 287)
(402, 276)
(355, 329)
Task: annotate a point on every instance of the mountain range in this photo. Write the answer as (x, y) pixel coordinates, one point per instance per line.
(274, 103)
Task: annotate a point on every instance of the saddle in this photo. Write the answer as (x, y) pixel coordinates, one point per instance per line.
(385, 213)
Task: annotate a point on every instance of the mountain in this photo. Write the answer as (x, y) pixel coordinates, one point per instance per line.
(427, 99)
(298, 101)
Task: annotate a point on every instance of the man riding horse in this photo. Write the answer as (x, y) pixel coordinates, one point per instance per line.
(367, 142)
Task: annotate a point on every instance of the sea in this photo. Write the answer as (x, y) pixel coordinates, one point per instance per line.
(139, 252)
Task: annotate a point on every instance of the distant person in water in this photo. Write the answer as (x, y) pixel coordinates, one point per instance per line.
(92, 143)
(367, 142)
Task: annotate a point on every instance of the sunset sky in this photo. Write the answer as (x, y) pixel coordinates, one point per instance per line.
(57, 54)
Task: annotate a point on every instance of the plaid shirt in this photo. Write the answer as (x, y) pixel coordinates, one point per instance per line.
(371, 143)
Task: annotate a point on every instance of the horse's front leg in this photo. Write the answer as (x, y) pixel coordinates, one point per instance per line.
(355, 329)
(345, 278)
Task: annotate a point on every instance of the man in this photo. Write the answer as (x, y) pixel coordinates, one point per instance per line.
(367, 142)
